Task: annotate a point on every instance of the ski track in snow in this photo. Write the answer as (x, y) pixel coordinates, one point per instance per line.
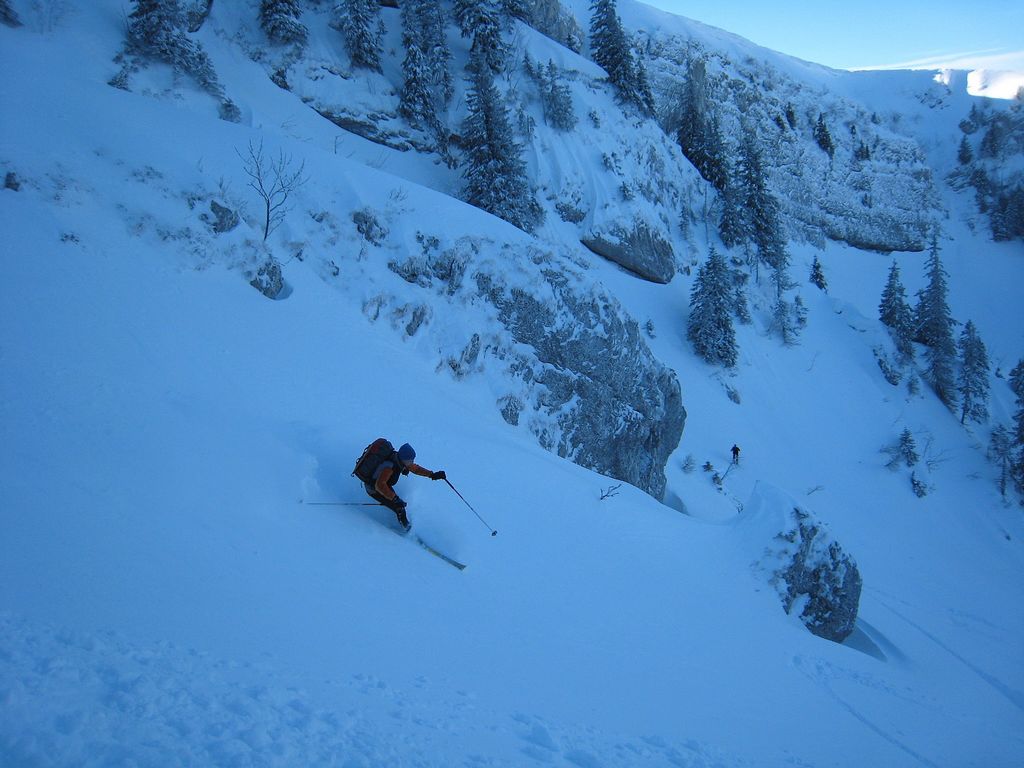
(821, 673)
(1013, 696)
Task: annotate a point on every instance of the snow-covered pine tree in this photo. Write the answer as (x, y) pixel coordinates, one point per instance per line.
(482, 21)
(518, 9)
(556, 99)
(362, 29)
(973, 379)
(823, 136)
(427, 82)
(740, 303)
(762, 209)
(965, 155)
(818, 275)
(434, 42)
(785, 320)
(416, 102)
(711, 303)
(734, 225)
(699, 134)
(1017, 436)
(907, 448)
(495, 172)
(935, 329)
(7, 14)
(610, 50)
(1000, 451)
(155, 28)
(158, 29)
(894, 312)
(280, 20)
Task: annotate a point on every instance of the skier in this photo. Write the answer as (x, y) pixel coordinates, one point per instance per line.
(735, 454)
(389, 472)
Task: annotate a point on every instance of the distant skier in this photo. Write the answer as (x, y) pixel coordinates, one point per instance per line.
(381, 467)
(735, 454)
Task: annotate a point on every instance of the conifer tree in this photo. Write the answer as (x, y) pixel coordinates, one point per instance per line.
(495, 172)
(7, 14)
(935, 329)
(823, 136)
(556, 99)
(818, 275)
(762, 210)
(965, 155)
(434, 42)
(518, 9)
(894, 312)
(611, 51)
(1017, 436)
(280, 20)
(733, 226)
(157, 29)
(973, 379)
(1000, 450)
(908, 448)
(711, 302)
(363, 30)
(699, 134)
(427, 83)
(785, 320)
(483, 21)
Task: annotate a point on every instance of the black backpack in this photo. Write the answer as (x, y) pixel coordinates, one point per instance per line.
(376, 453)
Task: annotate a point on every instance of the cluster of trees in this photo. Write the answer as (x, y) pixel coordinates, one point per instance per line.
(280, 20)
(990, 141)
(611, 50)
(1006, 446)
(495, 172)
(159, 29)
(697, 129)
(555, 94)
(427, 87)
(957, 369)
(493, 167)
(750, 214)
(751, 218)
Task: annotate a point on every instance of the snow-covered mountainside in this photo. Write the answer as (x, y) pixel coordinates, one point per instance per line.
(190, 576)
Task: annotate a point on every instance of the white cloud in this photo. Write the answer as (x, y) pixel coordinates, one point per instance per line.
(993, 58)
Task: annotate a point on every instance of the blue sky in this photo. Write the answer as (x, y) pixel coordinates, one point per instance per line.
(874, 34)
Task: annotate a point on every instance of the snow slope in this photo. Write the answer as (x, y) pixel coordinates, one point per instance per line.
(169, 596)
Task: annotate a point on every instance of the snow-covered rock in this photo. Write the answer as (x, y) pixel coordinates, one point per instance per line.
(639, 249)
(816, 578)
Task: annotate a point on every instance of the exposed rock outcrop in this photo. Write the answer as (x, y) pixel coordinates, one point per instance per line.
(818, 578)
(639, 249)
(616, 409)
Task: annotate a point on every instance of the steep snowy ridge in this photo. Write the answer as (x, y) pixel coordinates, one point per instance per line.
(177, 588)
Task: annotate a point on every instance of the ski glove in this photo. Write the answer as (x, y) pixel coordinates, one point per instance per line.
(440, 475)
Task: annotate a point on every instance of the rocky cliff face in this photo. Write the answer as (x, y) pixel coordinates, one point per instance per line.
(840, 171)
(613, 407)
(575, 369)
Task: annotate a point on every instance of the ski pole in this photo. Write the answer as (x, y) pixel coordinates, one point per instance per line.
(493, 532)
(342, 503)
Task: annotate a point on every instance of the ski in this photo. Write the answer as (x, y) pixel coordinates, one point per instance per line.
(397, 531)
(441, 555)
